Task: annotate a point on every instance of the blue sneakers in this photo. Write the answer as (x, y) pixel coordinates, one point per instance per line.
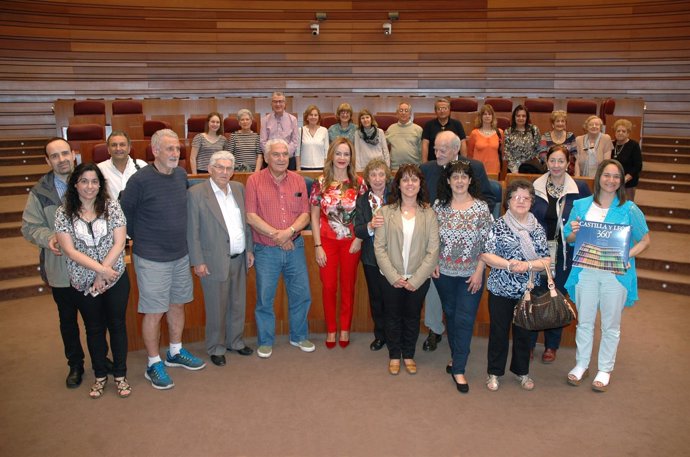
(185, 360)
(159, 377)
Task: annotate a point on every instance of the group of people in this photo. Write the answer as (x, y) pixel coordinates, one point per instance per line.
(424, 234)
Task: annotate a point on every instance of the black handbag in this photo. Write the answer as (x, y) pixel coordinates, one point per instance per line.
(541, 309)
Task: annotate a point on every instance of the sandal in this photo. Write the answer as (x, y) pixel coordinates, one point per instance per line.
(601, 381)
(526, 382)
(97, 388)
(124, 390)
(492, 382)
(577, 374)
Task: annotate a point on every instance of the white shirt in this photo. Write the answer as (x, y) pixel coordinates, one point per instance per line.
(232, 217)
(116, 181)
(408, 231)
(313, 149)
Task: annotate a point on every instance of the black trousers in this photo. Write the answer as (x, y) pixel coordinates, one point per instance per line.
(69, 325)
(501, 317)
(375, 288)
(106, 311)
(402, 309)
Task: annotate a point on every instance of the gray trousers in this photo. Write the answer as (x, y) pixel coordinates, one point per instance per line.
(433, 312)
(225, 303)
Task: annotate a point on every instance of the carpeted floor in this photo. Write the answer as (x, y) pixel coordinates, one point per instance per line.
(344, 403)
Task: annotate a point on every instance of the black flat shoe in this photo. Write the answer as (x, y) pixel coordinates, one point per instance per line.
(449, 369)
(462, 388)
(218, 360)
(74, 377)
(377, 344)
(244, 351)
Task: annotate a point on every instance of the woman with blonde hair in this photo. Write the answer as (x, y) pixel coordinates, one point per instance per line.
(333, 199)
(345, 127)
(592, 147)
(485, 141)
(370, 141)
(559, 135)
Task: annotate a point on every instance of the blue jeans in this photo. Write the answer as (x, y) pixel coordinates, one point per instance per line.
(460, 307)
(270, 262)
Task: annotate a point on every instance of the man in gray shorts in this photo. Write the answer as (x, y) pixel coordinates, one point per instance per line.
(155, 203)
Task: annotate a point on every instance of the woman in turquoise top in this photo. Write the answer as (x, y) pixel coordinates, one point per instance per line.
(596, 289)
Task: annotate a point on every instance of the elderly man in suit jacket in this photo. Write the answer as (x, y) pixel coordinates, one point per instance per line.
(221, 251)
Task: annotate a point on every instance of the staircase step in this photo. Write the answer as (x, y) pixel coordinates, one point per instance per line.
(661, 139)
(17, 252)
(30, 151)
(11, 289)
(12, 203)
(19, 160)
(662, 281)
(10, 229)
(678, 168)
(20, 178)
(11, 216)
(667, 247)
(23, 142)
(663, 185)
(665, 158)
(24, 271)
(669, 175)
(666, 148)
(667, 224)
(16, 188)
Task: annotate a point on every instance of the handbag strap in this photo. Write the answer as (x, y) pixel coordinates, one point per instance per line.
(549, 279)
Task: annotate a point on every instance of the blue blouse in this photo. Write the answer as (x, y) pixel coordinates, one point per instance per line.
(627, 214)
(504, 243)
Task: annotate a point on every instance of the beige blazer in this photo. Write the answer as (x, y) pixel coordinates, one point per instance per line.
(388, 245)
(603, 152)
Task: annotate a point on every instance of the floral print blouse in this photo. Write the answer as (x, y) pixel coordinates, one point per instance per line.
(94, 239)
(521, 146)
(337, 202)
(462, 233)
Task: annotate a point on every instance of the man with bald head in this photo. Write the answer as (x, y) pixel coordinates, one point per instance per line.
(447, 146)
(38, 227)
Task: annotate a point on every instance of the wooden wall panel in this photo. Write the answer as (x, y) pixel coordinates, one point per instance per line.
(137, 48)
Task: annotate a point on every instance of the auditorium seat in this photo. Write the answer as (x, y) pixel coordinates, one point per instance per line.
(128, 116)
(152, 126)
(422, 119)
(88, 112)
(328, 119)
(85, 132)
(607, 108)
(195, 125)
(501, 106)
(502, 122)
(540, 110)
(578, 111)
(464, 105)
(385, 120)
(100, 153)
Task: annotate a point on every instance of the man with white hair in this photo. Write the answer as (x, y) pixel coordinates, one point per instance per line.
(155, 204)
(221, 251)
(278, 209)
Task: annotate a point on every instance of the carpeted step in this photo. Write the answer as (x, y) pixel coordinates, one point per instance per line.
(665, 158)
(670, 140)
(677, 149)
(664, 282)
(23, 142)
(22, 160)
(666, 175)
(10, 229)
(16, 188)
(29, 151)
(663, 185)
(667, 224)
(11, 289)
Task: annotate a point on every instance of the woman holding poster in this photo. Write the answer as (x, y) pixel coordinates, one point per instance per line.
(595, 289)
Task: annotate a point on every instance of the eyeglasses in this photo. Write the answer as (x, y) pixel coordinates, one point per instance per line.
(403, 110)
(224, 169)
(521, 198)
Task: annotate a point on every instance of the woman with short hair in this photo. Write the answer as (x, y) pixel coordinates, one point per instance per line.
(344, 127)
(627, 151)
(313, 140)
(245, 144)
(559, 135)
(592, 147)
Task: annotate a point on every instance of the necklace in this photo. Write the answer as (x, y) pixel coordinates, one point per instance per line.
(554, 190)
(486, 132)
(561, 136)
(617, 150)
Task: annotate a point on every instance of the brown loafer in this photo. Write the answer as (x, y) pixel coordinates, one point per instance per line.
(549, 356)
(410, 366)
(394, 366)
